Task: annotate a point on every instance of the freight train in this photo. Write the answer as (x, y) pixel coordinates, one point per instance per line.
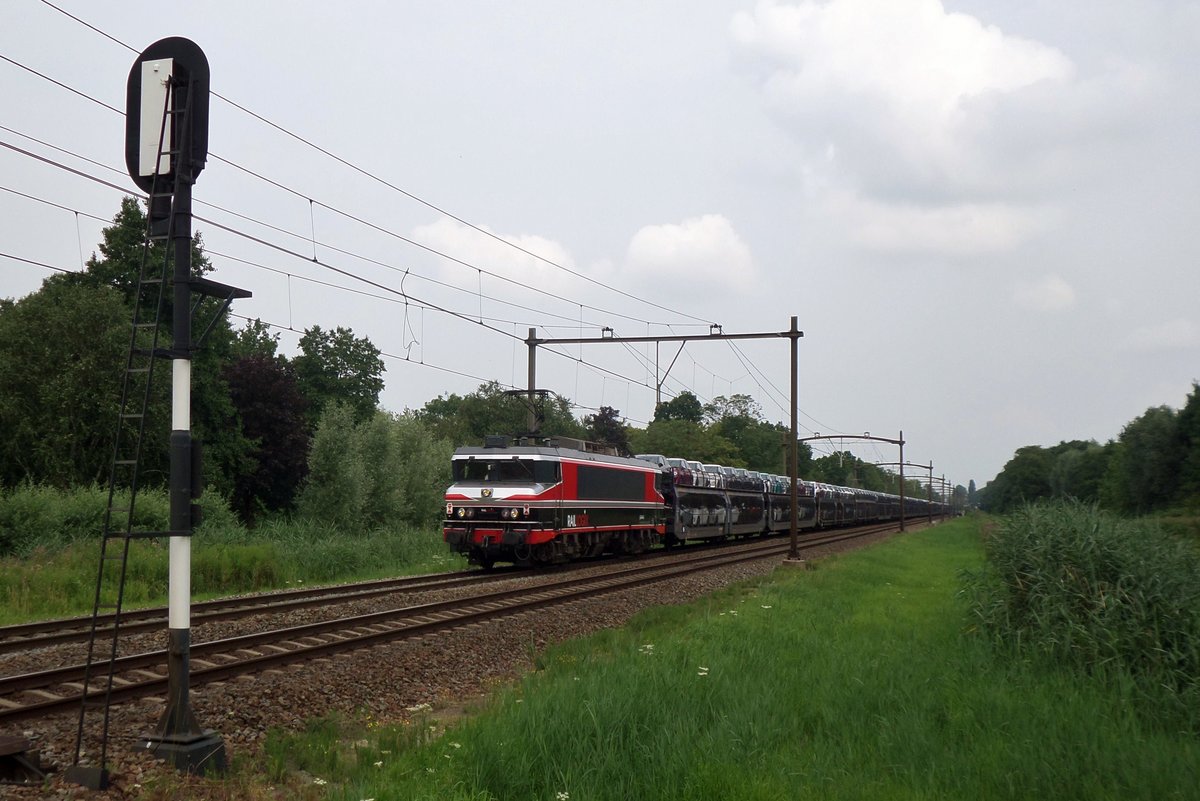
(565, 499)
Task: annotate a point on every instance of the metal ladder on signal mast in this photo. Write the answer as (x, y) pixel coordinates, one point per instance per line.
(118, 532)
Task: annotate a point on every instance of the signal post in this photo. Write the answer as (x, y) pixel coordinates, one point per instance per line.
(166, 146)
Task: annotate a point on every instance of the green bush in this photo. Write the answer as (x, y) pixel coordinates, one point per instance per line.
(336, 489)
(385, 471)
(34, 516)
(1105, 594)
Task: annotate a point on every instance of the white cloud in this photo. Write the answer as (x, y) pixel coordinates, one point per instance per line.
(925, 131)
(894, 84)
(1050, 293)
(910, 52)
(953, 230)
(704, 253)
(1178, 334)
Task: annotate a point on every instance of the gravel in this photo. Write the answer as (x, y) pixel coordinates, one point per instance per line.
(448, 672)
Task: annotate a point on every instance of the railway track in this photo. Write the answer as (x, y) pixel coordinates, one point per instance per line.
(26, 636)
(44, 693)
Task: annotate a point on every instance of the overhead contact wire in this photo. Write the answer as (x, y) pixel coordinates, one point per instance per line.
(347, 164)
(372, 176)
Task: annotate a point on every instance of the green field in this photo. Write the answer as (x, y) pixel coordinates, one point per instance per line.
(860, 679)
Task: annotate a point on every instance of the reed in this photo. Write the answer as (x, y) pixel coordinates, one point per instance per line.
(1119, 598)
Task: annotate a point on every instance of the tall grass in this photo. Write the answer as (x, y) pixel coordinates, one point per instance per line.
(54, 537)
(1111, 596)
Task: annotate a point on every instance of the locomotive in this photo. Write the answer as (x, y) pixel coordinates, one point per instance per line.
(556, 502)
(563, 499)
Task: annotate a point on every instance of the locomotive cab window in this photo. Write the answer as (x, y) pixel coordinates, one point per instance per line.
(525, 471)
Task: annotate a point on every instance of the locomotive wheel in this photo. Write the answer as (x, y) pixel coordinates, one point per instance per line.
(549, 553)
(523, 556)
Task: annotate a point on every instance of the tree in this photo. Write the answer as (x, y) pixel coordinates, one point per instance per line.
(760, 444)
(1143, 475)
(336, 489)
(837, 468)
(382, 465)
(1026, 477)
(123, 251)
(336, 366)
(736, 406)
(426, 472)
(267, 398)
(255, 339)
(1189, 438)
(686, 440)
(958, 497)
(379, 473)
(1078, 469)
(606, 426)
(62, 350)
(684, 406)
(227, 451)
(489, 410)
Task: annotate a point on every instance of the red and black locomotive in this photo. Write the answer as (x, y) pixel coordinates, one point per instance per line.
(541, 504)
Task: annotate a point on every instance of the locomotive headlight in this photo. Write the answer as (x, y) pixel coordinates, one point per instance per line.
(462, 512)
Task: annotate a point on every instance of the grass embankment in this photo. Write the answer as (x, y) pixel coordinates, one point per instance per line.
(855, 681)
(53, 541)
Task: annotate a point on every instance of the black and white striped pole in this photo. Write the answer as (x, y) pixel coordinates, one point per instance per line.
(166, 145)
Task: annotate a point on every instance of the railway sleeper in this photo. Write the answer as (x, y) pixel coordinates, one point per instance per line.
(19, 763)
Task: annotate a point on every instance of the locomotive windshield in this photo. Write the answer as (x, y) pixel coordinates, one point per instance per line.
(511, 470)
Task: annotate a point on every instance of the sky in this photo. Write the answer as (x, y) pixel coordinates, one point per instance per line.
(983, 214)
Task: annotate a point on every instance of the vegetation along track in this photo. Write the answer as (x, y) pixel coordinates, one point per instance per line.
(35, 695)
